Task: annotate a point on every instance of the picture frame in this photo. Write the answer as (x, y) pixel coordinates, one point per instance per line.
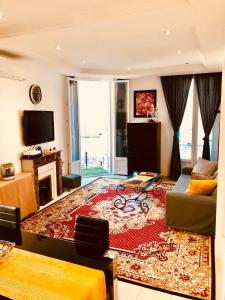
(144, 103)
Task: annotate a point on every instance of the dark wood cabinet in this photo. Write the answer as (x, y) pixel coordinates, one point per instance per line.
(144, 147)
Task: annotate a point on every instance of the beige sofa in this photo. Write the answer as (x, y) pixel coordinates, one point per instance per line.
(190, 212)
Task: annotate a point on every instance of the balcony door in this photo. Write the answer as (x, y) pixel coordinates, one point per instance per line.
(94, 116)
(98, 115)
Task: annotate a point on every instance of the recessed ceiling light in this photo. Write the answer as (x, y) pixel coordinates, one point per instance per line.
(83, 61)
(179, 51)
(58, 48)
(167, 32)
(2, 15)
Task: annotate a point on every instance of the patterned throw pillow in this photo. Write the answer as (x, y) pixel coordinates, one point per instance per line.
(203, 177)
(201, 187)
(204, 169)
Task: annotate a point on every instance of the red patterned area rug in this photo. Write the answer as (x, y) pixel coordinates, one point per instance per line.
(150, 253)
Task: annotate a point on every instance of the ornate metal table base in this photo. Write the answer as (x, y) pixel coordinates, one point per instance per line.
(142, 195)
(157, 190)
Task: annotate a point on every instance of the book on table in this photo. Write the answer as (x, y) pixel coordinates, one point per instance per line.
(139, 181)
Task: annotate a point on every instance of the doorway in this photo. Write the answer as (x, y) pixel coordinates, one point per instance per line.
(94, 116)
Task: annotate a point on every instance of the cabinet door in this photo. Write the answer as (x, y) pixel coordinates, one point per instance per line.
(142, 137)
(144, 147)
(142, 162)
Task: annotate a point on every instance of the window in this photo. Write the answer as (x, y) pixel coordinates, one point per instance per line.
(191, 131)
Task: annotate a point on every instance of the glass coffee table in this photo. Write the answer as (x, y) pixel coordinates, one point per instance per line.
(139, 184)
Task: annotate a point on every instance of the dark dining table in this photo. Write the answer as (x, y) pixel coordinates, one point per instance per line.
(66, 250)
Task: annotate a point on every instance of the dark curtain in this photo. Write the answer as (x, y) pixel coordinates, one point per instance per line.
(209, 97)
(176, 89)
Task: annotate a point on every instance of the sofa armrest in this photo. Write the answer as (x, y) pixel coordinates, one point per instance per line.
(186, 170)
(191, 212)
(191, 199)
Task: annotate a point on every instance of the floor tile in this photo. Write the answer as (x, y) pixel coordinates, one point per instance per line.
(127, 291)
(84, 181)
(178, 298)
(148, 294)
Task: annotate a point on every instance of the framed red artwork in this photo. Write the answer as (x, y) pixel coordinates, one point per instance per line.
(144, 103)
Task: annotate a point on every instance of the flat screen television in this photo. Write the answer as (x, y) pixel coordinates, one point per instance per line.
(38, 127)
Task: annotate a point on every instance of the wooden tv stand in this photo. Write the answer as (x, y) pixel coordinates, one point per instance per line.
(33, 165)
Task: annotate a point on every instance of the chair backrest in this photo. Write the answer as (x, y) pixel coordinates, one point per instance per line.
(9, 222)
(91, 235)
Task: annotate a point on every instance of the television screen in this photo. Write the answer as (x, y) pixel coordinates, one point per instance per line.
(38, 127)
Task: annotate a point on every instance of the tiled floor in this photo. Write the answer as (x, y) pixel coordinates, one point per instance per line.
(84, 181)
(127, 291)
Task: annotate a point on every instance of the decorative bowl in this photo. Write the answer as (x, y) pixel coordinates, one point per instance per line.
(5, 248)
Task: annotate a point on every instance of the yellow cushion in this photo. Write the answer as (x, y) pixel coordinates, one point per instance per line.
(201, 187)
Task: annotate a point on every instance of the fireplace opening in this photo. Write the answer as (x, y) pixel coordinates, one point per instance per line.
(45, 190)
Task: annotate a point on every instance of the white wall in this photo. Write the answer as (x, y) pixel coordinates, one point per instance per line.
(220, 217)
(14, 98)
(154, 83)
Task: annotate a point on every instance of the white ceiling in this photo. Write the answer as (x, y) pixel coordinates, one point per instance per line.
(117, 37)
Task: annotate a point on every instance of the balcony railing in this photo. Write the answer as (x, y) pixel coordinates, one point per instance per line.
(94, 153)
(185, 151)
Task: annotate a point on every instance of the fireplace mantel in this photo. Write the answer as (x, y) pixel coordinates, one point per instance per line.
(32, 165)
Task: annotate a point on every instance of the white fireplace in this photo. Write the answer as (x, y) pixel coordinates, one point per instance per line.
(45, 167)
(46, 171)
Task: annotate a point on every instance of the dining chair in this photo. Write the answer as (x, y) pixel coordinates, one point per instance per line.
(9, 223)
(91, 235)
(91, 238)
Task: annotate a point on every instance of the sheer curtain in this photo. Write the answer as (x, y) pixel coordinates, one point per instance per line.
(176, 89)
(209, 97)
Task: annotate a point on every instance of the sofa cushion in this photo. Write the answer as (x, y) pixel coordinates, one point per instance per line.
(201, 187)
(204, 167)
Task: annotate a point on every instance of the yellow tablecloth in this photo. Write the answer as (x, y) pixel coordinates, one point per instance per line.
(25, 275)
(19, 192)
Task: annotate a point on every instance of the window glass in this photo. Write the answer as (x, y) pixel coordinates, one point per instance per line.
(121, 119)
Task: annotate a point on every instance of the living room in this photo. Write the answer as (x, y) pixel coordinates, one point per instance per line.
(49, 68)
